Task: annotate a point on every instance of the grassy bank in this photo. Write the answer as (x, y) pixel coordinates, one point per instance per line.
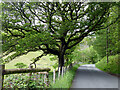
(26, 59)
(66, 80)
(112, 66)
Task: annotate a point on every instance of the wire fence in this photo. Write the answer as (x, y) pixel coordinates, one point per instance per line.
(30, 78)
(24, 78)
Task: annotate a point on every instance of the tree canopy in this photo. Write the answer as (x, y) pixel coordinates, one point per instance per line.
(52, 27)
(108, 36)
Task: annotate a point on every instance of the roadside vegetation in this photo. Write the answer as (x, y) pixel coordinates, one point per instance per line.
(66, 80)
(112, 66)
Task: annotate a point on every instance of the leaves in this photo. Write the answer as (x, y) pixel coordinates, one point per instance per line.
(49, 26)
(23, 81)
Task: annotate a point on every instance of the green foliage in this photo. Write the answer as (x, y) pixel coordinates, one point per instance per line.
(112, 32)
(55, 65)
(20, 65)
(70, 59)
(66, 80)
(85, 52)
(23, 81)
(54, 58)
(100, 43)
(52, 27)
(68, 62)
(112, 66)
(93, 55)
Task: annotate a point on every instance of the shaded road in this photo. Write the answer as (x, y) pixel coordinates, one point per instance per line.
(88, 76)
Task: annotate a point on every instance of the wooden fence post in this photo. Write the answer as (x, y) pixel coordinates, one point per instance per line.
(58, 73)
(2, 67)
(47, 79)
(44, 78)
(30, 74)
(65, 69)
(62, 72)
(54, 76)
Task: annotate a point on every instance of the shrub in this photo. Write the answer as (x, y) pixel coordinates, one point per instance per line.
(23, 81)
(20, 65)
(112, 66)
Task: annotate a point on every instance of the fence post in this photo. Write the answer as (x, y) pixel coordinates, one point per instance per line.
(66, 68)
(54, 76)
(58, 73)
(62, 71)
(30, 74)
(2, 67)
(47, 79)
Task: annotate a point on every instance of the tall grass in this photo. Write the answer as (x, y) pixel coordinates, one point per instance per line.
(66, 80)
(112, 66)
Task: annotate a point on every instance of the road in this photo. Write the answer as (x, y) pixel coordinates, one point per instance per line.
(88, 76)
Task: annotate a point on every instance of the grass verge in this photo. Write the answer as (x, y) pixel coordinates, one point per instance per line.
(113, 65)
(66, 80)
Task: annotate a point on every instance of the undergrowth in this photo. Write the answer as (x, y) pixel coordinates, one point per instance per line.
(66, 80)
(112, 66)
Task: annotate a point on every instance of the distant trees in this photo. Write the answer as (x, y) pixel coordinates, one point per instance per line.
(85, 52)
(52, 27)
(107, 41)
(103, 43)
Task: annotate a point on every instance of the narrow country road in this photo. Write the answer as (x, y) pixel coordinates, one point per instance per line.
(88, 76)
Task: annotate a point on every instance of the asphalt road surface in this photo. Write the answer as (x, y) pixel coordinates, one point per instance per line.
(88, 76)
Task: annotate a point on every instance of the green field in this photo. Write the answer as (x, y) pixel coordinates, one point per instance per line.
(26, 59)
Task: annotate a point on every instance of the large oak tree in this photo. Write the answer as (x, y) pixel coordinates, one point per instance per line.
(52, 27)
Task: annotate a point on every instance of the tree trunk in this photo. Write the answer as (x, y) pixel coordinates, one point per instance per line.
(61, 61)
(61, 57)
(107, 45)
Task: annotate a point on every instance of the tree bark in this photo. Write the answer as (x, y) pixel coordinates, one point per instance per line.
(61, 61)
(61, 57)
(107, 45)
